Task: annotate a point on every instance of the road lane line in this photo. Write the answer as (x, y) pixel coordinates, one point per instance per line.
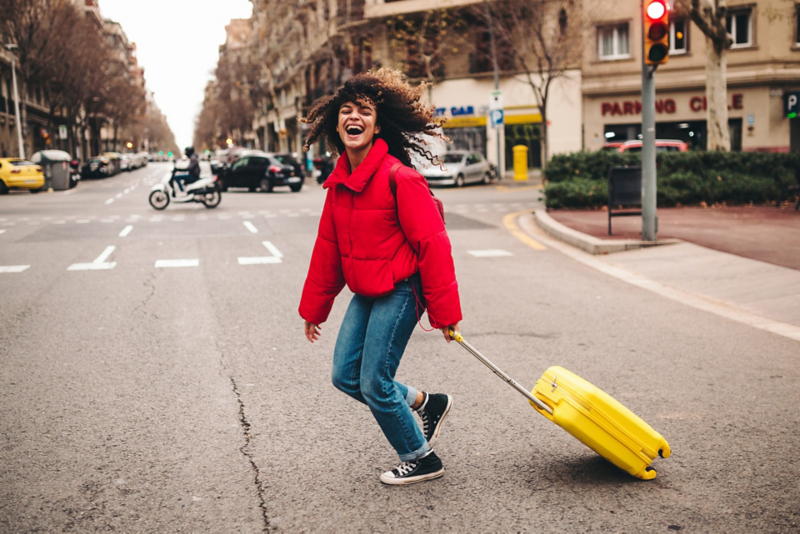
(125, 231)
(260, 260)
(109, 201)
(13, 268)
(491, 253)
(98, 264)
(177, 263)
(512, 227)
(2, 231)
(251, 227)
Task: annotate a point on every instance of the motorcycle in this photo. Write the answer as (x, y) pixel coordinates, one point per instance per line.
(205, 191)
(74, 173)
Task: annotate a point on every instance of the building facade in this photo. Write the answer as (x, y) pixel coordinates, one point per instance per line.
(763, 66)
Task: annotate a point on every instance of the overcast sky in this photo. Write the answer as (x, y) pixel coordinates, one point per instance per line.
(178, 46)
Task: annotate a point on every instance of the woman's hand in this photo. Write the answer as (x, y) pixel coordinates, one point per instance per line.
(313, 331)
(446, 331)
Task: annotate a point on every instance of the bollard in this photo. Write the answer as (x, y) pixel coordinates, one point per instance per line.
(520, 162)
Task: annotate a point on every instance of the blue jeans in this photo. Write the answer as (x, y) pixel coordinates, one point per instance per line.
(371, 341)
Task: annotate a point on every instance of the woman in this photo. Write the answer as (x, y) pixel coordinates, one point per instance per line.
(382, 235)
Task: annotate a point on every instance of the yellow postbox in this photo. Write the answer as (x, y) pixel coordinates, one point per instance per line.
(520, 162)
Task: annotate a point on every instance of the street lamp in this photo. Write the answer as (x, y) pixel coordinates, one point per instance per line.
(10, 47)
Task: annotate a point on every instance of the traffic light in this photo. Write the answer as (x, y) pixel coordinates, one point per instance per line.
(656, 32)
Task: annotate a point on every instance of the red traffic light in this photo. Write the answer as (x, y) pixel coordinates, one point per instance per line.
(656, 32)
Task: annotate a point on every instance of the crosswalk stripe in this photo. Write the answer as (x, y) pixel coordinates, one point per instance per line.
(177, 263)
(13, 268)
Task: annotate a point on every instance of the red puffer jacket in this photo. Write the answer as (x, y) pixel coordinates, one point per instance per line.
(371, 243)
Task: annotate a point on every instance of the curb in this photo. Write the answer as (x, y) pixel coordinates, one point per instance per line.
(591, 244)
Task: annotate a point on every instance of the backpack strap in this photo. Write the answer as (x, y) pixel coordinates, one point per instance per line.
(393, 180)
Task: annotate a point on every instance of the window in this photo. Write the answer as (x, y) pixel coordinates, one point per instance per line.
(678, 37)
(612, 42)
(797, 26)
(738, 25)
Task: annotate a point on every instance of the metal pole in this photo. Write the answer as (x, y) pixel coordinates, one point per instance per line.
(500, 169)
(16, 108)
(649, 217)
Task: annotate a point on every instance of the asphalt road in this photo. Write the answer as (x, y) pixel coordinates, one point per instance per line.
(164, 399)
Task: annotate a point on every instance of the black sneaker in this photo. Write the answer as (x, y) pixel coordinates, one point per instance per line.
(432, 411)
(426, 468)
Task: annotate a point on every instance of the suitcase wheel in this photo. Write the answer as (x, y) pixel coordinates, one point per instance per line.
(648, 473)
(661, 452)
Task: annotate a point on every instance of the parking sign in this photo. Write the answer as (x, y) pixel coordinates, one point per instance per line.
(791, 104)
(496, 116)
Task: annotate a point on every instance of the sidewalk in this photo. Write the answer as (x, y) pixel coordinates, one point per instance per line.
(742, 263)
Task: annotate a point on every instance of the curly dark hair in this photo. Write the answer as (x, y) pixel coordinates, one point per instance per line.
(402, 116)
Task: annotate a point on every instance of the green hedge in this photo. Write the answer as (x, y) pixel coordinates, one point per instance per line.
(579, 180)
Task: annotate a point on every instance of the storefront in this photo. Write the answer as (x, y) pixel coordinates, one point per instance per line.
(466, 101)
(756, 121)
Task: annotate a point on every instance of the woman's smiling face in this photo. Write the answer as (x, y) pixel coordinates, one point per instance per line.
(357, 124)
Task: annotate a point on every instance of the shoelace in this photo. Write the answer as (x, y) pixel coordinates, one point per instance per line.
(405, 468)
(426, 422)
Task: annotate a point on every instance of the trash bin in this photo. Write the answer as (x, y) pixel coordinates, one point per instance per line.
(520, 162)
(55, 165)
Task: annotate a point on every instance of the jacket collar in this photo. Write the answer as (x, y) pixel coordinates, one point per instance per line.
(359, 178)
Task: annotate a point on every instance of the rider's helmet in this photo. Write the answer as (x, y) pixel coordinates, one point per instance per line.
(189, 151)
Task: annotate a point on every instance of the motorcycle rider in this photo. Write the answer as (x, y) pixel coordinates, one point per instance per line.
(192, 171)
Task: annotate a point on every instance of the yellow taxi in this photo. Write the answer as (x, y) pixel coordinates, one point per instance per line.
(18, 173)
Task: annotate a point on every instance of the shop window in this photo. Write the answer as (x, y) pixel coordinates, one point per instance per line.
(739, 25)
(678, 37)
(612, 42)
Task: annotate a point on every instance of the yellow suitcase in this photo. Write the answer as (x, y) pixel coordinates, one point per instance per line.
(592, 416)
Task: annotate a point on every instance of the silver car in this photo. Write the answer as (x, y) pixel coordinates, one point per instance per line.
(460, 167)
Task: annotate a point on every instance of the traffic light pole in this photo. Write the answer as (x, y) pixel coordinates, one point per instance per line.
(649, 217)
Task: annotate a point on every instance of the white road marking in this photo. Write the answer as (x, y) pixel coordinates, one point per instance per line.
(119, 195)
(177, 263)
(13, 268)
(260, 260)
(109, 201)
(2, 231)
(125, 231)
(250, 226)
(98, 264)
(492, 253)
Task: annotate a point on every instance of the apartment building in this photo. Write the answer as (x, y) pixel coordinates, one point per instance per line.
(763, 68)
(310, 47)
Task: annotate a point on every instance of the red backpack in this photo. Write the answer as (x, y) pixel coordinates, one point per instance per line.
(393, 187)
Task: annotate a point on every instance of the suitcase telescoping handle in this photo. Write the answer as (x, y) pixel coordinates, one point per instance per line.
(507, 379)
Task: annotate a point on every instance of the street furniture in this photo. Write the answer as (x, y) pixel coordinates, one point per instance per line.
(624, 192)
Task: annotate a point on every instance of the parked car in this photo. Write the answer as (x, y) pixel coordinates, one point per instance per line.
(662, 145)
(460, 167)
(289, 159)
(18, 173)
(255, 169)
(97, 167)
(125, 162)
(611, 146)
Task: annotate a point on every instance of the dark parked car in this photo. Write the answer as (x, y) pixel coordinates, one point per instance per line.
(289, 159)
(259, 170)
(97, 167)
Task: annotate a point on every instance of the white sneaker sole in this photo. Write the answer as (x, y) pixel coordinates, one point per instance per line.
(392, 481)
(441, 421)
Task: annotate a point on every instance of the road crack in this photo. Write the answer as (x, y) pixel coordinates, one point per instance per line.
(245, 450)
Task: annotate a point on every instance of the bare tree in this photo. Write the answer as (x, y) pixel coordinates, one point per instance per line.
(33, 25)
(420, 43)
(543, 39)
(710, 16)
